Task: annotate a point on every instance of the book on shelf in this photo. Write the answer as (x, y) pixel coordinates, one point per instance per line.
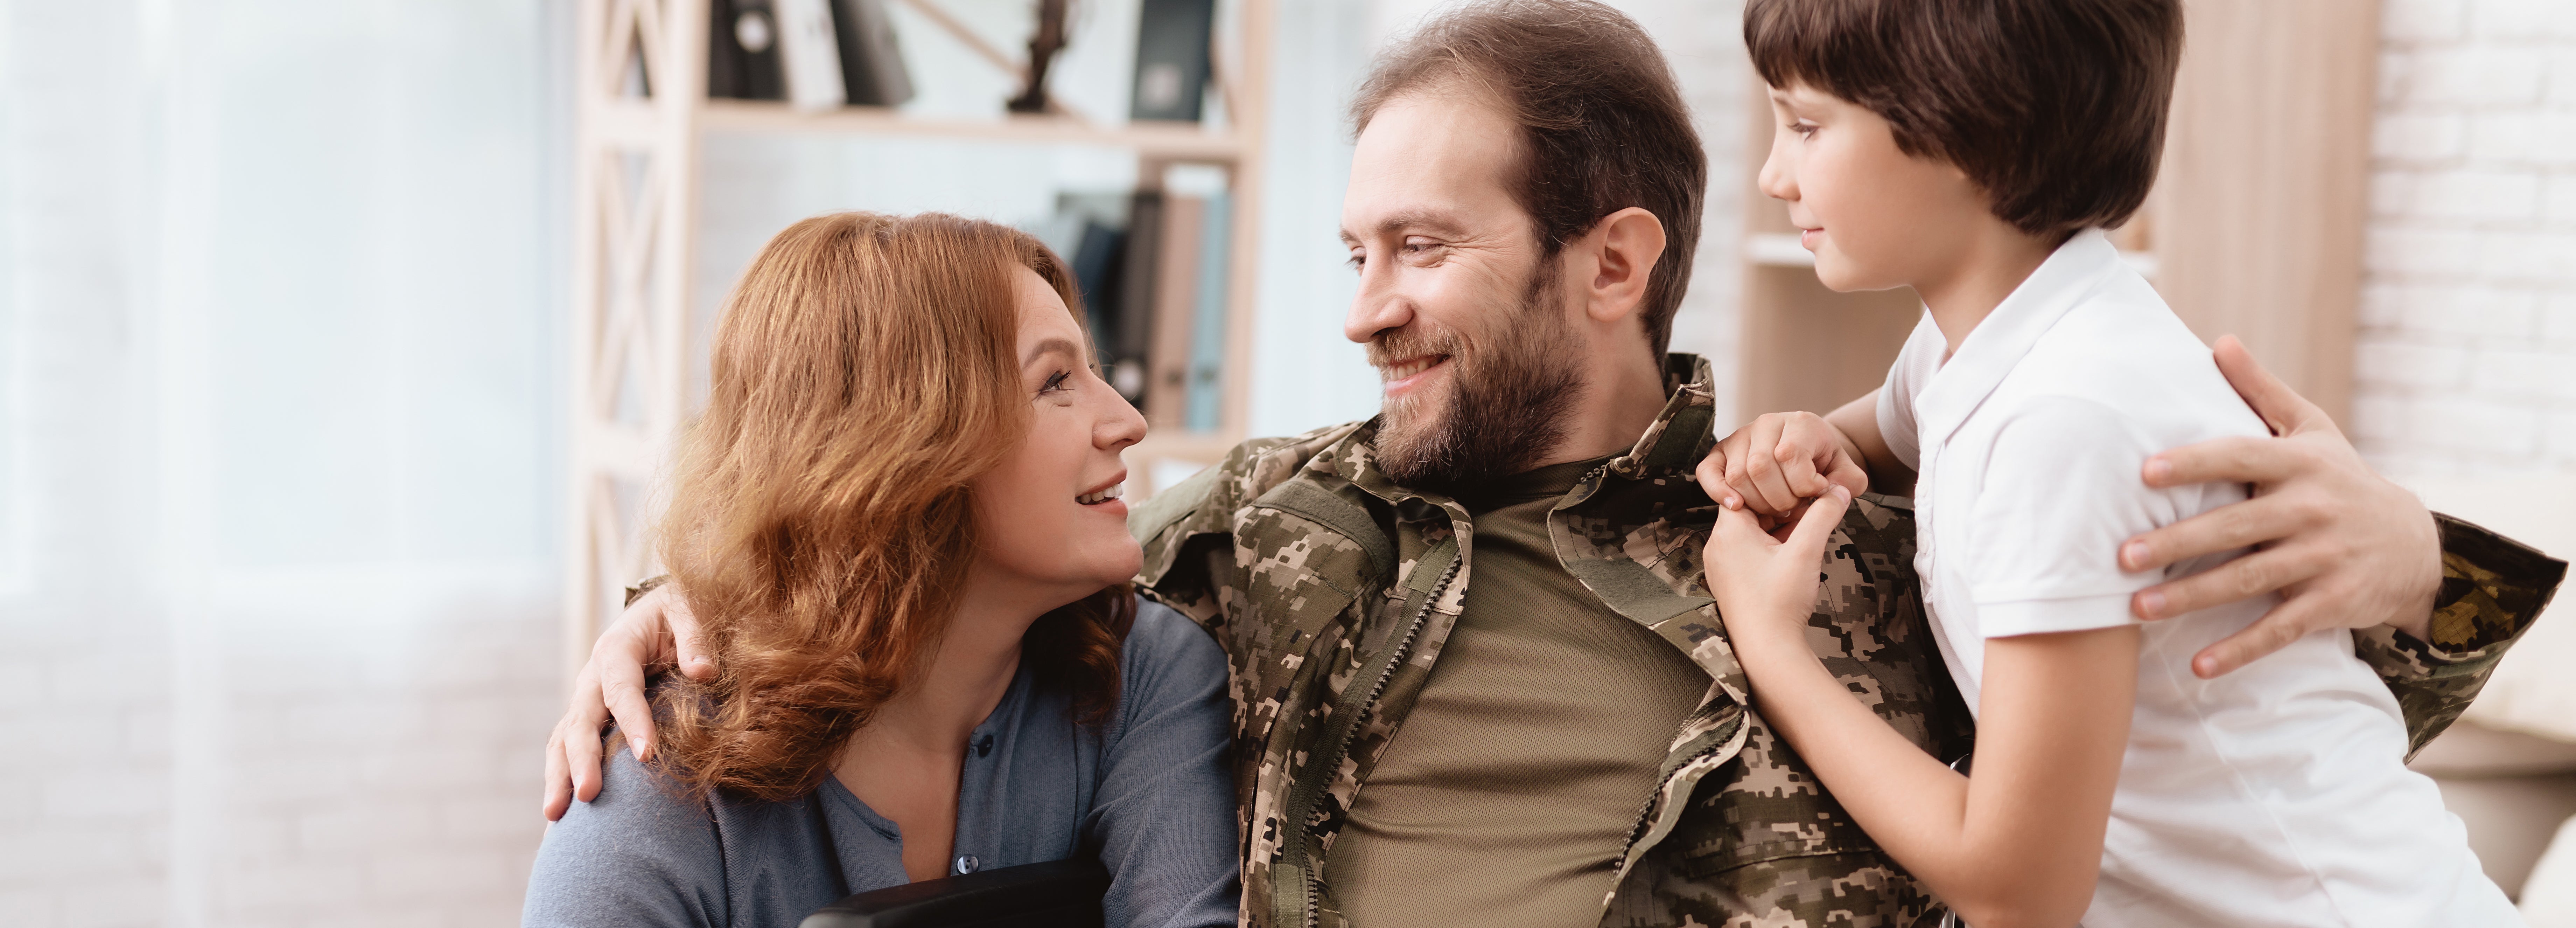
(816, 54)
(1096, 271)
(1172, 60)
(872, 61)
(1204, 411)
(1088, 233)
(1176, 292)
(809, 53)
(1127, 354)
(742, 51)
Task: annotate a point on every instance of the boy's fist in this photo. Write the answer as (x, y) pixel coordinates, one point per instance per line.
(1779, 463)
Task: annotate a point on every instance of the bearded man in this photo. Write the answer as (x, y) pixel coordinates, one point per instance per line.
(1568, 739)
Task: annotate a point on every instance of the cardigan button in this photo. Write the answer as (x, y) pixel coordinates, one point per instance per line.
(984, 746)
(966, 863)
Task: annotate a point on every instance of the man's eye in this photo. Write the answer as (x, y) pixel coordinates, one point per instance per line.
(1358, 262)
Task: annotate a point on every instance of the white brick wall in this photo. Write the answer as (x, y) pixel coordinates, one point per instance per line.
(2468, 357)
(82, 707)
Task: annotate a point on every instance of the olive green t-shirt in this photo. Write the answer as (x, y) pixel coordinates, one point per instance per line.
(1508, 792)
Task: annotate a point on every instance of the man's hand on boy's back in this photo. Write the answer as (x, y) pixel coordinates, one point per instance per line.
(656, 630)
(2343, 547)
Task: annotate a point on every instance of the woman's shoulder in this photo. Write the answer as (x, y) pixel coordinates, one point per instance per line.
(1161, 637)
(640, 798)
(1168, 660)
(643, 848)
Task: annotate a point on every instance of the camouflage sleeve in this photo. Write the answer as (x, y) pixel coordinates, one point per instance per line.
(2492, 589)
(1166, 524)
(1197, 515)
(636, 591)
(1761, 845)
(1853, 890)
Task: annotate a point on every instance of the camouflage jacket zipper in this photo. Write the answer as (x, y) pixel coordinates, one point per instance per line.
(1301, 805)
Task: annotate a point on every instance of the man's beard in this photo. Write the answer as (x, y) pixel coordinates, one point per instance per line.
(1507, 399)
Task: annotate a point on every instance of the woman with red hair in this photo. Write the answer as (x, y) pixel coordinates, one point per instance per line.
(899, 528)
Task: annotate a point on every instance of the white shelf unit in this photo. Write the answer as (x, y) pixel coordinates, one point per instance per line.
(636, 182)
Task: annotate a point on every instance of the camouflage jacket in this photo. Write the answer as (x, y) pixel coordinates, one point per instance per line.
(1334, 591)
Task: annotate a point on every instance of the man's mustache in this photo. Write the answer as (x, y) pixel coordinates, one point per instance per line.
(1407, 344)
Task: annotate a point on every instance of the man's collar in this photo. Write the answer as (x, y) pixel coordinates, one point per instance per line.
(1680, 435)
(1675, 442)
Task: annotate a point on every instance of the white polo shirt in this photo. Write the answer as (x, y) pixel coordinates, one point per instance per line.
(2275, 795)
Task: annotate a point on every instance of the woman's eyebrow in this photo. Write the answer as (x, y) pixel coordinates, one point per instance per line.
(1069, 349)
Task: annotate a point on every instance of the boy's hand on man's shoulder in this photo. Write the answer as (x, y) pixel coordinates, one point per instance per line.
(1778, 464)
(2344, 547)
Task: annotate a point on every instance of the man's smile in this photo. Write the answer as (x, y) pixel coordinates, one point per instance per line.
(1404, 376)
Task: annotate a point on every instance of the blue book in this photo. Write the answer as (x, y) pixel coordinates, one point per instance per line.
(1208, 337)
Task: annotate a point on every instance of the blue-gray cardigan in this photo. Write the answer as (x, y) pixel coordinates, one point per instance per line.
(1147, 792)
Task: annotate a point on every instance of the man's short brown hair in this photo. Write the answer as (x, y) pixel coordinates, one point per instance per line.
(2055, 108)
(1602, 124)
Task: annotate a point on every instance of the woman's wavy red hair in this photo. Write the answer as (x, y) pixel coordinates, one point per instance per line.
(820, 519)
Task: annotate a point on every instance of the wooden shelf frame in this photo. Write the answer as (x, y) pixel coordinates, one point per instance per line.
(636, 188)
(1174, 143)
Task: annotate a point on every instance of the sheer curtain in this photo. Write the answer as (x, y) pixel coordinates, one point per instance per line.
(279, 310)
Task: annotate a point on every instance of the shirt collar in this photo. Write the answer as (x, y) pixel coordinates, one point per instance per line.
(1680, 435)
(1998, 344)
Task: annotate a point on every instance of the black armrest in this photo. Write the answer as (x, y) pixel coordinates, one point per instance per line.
(1058, 893)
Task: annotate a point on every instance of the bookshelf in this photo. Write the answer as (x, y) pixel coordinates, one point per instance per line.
(636, 180)
(2254, 229)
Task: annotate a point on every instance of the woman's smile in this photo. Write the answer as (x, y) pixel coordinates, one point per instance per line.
(1107, 497)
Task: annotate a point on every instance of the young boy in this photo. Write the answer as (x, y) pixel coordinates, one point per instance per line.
(1974, 151)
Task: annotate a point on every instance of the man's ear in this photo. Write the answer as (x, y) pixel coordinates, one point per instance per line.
(1626, 244)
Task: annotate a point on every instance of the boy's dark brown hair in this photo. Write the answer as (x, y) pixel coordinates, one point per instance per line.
(1602, 124)
(2055, 108)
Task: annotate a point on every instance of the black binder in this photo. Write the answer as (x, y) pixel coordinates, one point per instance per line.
(1058, 893)
(872, 62)
(736, 70)
(1132, 339)
(1172, 60)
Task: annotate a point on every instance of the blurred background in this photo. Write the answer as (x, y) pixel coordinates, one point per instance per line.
(338, 342)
